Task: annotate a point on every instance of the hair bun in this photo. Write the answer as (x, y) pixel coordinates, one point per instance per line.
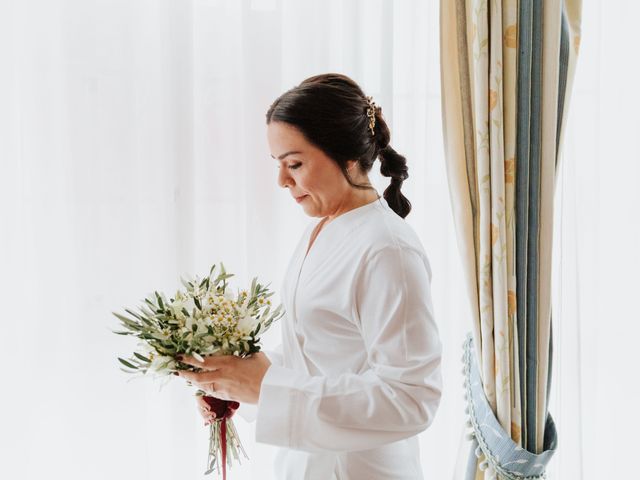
(385, 148)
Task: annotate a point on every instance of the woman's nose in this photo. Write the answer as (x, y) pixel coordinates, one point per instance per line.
(284, 178)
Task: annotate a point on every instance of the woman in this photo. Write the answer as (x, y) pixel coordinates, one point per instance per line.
(358, 374)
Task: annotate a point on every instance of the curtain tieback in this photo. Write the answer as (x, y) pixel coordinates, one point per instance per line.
(490, 441)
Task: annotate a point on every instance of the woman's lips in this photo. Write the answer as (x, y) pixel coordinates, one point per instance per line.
(299, 199)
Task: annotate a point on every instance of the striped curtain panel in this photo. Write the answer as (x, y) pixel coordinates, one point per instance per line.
(506, 70)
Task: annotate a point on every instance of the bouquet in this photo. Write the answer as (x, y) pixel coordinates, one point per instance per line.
(205, 318)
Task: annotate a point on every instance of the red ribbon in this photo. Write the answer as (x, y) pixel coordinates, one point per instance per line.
(224, 409)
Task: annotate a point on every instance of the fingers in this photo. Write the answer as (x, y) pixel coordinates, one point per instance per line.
(202, 404)
(201, 377)
(209, 417)
(205, 410)
(202, 380)
(211, 362)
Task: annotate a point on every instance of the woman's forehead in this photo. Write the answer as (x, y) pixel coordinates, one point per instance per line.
(285, 140)
(284, 131)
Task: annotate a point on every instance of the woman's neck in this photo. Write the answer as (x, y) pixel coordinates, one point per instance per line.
(358, 200)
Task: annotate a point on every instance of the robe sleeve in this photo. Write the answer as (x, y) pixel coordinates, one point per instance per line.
(275, 356)
(395, 397)
(249, 411)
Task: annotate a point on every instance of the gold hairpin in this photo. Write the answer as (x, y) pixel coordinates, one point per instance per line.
(371, 113)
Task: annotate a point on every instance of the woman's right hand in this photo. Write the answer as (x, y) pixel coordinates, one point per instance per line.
(205, 410)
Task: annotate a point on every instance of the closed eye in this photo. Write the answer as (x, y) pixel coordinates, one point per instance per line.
(293, 167)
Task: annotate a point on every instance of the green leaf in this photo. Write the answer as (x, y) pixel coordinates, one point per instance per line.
(160, 304)
(127, 364)
(148, 322)
(122, 317)
(145, 311)
(142, 357)
(131, 324)
(132, 313)
(150, 303)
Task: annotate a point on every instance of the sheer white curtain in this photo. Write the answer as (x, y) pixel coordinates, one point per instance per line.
(133, 150)
(595, 393)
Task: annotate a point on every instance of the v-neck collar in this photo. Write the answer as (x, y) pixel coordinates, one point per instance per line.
(301, 258)
(346, 214)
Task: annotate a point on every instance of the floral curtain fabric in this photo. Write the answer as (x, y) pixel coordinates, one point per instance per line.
(506, 69)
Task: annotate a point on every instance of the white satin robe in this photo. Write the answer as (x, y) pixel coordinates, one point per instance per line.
(358, 374)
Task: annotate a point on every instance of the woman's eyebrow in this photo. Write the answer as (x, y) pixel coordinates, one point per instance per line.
(285, 154)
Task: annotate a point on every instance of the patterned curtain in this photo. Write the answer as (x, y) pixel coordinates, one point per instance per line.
(506, 71)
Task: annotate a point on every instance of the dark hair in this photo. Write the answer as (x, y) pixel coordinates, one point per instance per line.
(330, 110)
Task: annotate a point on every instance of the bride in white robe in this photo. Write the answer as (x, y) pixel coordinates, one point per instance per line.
(357, 376)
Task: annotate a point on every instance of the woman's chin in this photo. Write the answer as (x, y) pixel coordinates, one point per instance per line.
(306, 205)
(310, 211)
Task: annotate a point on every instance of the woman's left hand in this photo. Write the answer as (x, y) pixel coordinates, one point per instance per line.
(228, 377)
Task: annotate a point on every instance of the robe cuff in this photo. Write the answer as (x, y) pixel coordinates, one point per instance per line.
(277, 416)
(247, 411)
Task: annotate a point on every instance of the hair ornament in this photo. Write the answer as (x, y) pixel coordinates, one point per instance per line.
(371, 113)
